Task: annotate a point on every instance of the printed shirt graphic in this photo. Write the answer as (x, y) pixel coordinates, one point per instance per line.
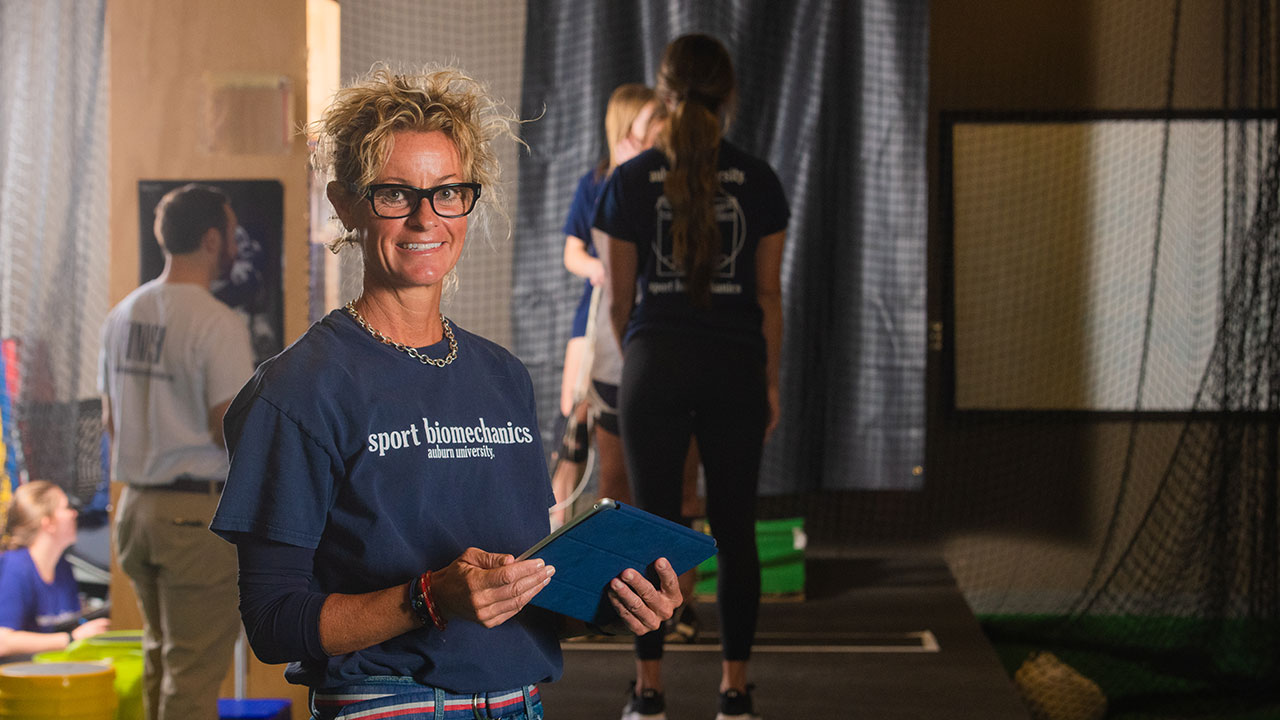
(387, 467)
(27, 602)
(751, 205)
(170, 352)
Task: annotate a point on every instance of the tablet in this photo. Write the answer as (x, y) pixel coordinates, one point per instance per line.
(596, 546)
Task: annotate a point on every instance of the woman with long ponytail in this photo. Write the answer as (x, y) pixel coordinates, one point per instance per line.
(696, 230)
(691, 143)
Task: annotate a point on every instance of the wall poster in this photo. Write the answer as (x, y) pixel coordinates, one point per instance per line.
(253, 286)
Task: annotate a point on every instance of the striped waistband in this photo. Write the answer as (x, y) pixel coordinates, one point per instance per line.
(377, 700)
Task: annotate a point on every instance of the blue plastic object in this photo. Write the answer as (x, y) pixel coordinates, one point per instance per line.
(253, 709)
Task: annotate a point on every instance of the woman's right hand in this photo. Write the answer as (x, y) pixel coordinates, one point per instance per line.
(596, 274)
(90, 628)
(488, 588)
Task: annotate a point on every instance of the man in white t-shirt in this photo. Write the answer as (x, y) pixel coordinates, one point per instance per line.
(173, 357)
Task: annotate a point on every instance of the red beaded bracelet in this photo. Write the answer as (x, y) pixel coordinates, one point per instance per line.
(425, 581)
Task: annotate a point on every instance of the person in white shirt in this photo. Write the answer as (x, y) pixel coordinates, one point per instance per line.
(173, 357)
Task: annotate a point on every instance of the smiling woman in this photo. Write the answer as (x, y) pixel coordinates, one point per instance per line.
(337, 502)
(409, 246)
(39, 601)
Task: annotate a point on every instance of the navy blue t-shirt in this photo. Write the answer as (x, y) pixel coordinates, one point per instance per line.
(578, 224)
(751, 205)
(387, 468)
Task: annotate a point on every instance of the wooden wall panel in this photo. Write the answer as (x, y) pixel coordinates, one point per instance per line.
(161, 53)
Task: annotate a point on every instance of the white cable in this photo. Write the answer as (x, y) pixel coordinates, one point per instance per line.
(588, 466)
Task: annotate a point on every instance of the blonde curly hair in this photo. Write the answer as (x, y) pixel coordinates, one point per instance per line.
(354, 136)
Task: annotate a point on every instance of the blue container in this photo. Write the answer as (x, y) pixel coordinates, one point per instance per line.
(254, 709)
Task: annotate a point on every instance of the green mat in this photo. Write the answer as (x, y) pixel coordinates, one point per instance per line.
(781, 546)
(1152, 667)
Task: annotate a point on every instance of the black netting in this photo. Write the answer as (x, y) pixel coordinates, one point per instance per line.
(1178, 614)
(53, 237)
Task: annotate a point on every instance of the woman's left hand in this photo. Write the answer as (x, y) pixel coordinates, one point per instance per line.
(641, 607)
(89, 628)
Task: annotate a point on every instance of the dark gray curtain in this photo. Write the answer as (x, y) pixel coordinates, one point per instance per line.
(833, 93)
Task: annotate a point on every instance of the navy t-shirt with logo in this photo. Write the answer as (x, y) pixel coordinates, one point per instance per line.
(387, 468)
(751, 205)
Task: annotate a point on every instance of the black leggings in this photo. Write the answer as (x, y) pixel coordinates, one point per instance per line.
(675, 386)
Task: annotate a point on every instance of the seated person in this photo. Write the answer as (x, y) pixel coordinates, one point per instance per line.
(39, 598)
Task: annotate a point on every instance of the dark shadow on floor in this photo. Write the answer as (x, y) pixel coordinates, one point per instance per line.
(857, 646)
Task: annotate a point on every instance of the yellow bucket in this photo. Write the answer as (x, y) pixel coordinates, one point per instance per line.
(123, 655)
(66, 691)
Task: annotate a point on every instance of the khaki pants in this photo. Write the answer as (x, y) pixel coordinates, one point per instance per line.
(185, 580)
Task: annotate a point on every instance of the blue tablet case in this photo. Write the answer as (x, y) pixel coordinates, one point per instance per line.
(598, 545)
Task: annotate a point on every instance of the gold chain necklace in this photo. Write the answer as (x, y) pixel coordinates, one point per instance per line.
(411, 352)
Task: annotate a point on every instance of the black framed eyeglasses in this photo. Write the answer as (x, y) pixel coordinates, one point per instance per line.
(392, 200)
